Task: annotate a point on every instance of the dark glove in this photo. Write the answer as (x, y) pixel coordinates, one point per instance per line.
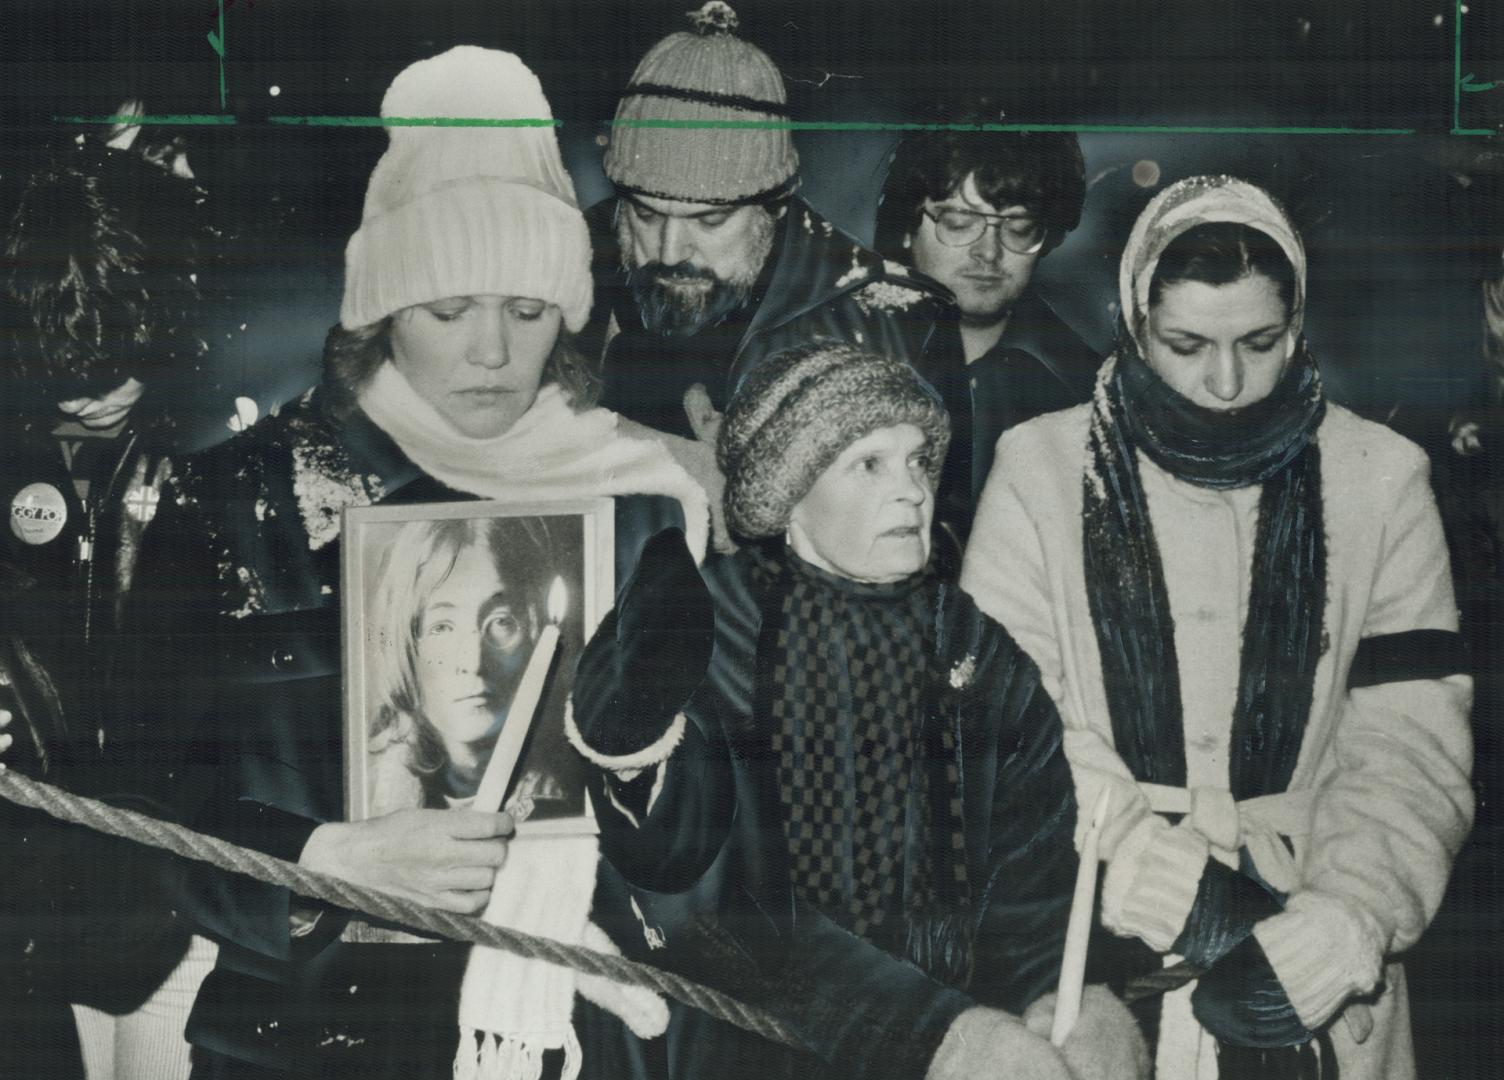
(1164, 888)
(649, 655)
(1228, 904)
(1241, 1001)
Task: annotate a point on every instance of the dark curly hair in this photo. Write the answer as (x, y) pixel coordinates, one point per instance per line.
(1042, 171)
(98, 272)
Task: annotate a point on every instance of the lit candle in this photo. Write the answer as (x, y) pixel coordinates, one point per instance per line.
(1078, 930)
(503, 763)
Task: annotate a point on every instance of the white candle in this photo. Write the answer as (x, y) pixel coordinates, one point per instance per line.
(503, 763)
(1078, 929)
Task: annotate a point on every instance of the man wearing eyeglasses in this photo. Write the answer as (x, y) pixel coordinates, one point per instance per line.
(707, 261)
(976, 211)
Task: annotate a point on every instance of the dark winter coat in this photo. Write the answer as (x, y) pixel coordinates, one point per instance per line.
(82, 916)
(702, 885)
(819, 284)
(250, 530)
(37, 961)
(71, 611)
(1038, 366)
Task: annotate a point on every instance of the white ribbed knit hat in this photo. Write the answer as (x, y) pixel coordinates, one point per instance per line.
(467, 211)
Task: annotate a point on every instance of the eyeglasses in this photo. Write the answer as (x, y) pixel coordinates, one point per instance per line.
(1021, 234)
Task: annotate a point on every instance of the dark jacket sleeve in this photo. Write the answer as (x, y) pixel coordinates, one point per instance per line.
(1031, 867)
(863, 1011)
(660, 780)
(1020, 804)
(82, 913)
(200, 720)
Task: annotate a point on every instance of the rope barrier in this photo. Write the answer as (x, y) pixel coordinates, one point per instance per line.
(189, 844)
(144, 829)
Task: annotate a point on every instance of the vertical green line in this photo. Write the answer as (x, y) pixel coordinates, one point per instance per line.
(1457, 68)
(221, 56)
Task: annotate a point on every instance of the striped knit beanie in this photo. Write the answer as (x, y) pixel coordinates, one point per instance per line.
(707, 75)
(467, 210)
(792, 417)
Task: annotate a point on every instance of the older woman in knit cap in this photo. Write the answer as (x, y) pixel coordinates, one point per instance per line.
(1238, 594)
(451, 376)
(826, 783)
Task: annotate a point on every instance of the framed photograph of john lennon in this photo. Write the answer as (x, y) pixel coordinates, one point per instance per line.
(463, 623)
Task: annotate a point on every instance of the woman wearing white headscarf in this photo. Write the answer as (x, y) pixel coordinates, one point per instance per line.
(1238, 595)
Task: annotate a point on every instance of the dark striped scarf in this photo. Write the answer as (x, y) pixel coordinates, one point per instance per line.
(1271, 443)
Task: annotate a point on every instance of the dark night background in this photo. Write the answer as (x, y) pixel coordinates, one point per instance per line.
(1401, 230)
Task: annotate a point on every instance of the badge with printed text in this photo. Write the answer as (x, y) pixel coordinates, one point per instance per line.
(38, 513)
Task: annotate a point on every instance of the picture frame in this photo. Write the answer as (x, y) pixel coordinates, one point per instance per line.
(446, 567)
(428, 610)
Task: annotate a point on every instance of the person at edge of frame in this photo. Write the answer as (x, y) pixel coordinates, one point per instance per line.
(827, 784)
(707, 261)
(99, 288)
(977, 211)
(1471, 495)
(1238, 594)
(451, 375)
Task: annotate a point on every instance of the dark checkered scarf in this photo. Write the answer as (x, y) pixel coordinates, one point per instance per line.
(870, 791)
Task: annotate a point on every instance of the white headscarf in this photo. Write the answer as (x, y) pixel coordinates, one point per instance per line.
(1201, 200)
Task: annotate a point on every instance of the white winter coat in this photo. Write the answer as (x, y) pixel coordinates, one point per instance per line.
(1381, 801)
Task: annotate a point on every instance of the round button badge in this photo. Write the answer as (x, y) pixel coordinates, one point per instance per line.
(38, 513)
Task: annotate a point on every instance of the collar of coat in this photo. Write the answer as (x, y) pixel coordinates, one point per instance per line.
(1036, 328)
(814, 263)
(817, 262)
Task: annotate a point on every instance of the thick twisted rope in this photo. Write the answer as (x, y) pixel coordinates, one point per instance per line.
(185, 842)
(189, 844)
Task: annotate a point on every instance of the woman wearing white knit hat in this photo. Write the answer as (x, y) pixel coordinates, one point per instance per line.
(451, 375)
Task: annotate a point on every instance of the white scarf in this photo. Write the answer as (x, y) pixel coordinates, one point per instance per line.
(550, 452)
(513, 1009)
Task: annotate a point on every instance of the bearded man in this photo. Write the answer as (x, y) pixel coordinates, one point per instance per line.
(707, 262)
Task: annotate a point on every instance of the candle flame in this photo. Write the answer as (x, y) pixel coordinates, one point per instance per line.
(558, 601)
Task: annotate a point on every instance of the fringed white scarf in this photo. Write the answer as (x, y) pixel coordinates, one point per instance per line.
(512, 1009)
(550, 452)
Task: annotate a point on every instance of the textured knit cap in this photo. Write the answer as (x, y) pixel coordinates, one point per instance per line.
(467, 211)
(792, 417)
(709, 74)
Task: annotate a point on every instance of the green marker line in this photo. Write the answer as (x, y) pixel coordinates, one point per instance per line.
(413, 121)
(1457, 68)
(220, 49)
(177, 119)
(1457, 128)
